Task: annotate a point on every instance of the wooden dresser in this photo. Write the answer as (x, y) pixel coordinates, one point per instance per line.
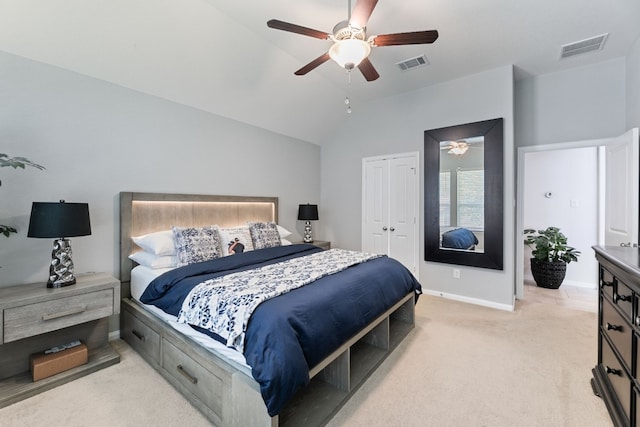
(616, 377)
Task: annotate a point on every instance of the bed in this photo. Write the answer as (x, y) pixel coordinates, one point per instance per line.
(226, 386)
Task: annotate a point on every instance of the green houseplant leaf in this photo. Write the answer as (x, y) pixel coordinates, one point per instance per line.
(550, 245)
(16, 163)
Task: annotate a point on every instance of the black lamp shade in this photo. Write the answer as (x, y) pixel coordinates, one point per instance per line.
(308, 212)
(58, 220)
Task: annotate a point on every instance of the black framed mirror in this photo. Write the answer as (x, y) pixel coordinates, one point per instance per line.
(463, 194)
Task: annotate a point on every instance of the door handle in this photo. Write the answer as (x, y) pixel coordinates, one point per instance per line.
(384, 228)
(626, 245)
(392, 229)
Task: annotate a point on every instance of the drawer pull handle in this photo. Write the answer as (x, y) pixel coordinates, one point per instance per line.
(71, 312)
(612, 371)
(617, 298)
(187, 375)
(611, 327)
(138, 335)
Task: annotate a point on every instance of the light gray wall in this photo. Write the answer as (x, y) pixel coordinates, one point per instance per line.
(577, 104)
(632, 91)
(97, 139)
(397, 125)
(578, 220)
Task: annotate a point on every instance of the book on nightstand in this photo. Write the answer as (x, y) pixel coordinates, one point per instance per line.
(46, 364)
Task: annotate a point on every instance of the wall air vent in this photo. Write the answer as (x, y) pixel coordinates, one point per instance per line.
(411, 63)
(583, 46)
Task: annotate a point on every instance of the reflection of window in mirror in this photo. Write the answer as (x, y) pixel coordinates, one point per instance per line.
(461, 191)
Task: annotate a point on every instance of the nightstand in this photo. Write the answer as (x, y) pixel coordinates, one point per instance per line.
(320, 243)
(34, 318)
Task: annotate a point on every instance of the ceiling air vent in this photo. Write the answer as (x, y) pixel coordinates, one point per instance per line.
(583, 46)
(411, 63)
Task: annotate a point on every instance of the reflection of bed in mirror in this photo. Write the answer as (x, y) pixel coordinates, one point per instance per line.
(210, 376)
(459, 238)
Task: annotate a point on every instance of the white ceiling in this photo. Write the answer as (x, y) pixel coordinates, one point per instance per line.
(219, 55)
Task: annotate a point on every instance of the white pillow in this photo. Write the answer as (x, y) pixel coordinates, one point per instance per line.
(154, 261)
(285, 242)
(283, 232)
(158, 243)
(229, 235)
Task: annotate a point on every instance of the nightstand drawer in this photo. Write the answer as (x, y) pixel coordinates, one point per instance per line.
(141, 337)
(192, 376)
(38, 318)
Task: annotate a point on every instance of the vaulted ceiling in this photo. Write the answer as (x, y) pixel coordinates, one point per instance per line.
(219, 55)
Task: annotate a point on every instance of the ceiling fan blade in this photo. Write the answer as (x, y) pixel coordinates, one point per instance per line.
(362, 12)
(313, 64)
(367, 70)
(293, 28)
(417, 37)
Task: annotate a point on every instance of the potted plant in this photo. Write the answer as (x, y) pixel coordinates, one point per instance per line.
(550, 256)
(14, 162)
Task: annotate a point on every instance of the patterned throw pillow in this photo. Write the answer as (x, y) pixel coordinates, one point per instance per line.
(264, 234)
(196, 244)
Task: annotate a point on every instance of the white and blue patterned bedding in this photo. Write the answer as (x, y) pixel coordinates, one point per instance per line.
(223, 305)
(291, 333)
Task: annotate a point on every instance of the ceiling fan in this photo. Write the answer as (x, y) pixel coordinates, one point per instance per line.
(351, 47)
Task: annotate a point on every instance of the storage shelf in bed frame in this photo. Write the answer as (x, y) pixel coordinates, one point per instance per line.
(234, 399)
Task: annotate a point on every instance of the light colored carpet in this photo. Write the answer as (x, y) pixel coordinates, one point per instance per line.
(463, 365)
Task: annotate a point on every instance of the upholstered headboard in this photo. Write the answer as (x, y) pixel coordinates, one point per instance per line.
(143, 213)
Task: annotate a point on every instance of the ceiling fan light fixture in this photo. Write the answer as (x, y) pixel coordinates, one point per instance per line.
(458, 148)
(348, 53)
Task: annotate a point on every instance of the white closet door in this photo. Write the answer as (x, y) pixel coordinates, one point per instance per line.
(390, 208)
(403, 211)
(375, 238)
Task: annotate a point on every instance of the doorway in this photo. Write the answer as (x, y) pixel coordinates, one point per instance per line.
(631, 221)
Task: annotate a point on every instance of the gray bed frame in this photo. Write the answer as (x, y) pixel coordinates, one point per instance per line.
(225, 394)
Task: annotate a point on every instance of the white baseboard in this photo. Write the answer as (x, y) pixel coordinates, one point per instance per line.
(469, 300)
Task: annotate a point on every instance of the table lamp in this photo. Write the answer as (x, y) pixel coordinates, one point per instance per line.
(307, 213)
(59, 221)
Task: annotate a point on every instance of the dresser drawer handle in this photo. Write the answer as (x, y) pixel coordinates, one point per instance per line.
(71, 312)
(617, 298)
(187, 375)
(611, 327)
(138, 335)
(612, 371)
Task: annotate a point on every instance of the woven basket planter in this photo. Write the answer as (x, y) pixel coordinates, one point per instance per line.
(548, 274)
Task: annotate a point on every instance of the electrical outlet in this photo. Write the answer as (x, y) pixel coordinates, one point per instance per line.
(456, 273)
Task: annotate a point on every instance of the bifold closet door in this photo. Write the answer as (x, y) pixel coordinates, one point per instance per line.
(390, 208)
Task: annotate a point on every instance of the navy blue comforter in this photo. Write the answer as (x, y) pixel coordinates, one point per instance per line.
(289, 334)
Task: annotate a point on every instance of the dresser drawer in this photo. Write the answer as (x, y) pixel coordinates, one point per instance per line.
(38, 318)
(617, 377)
(618, 330)
(606, 282)
(140, 336)
(193, 377)
(623, 298)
